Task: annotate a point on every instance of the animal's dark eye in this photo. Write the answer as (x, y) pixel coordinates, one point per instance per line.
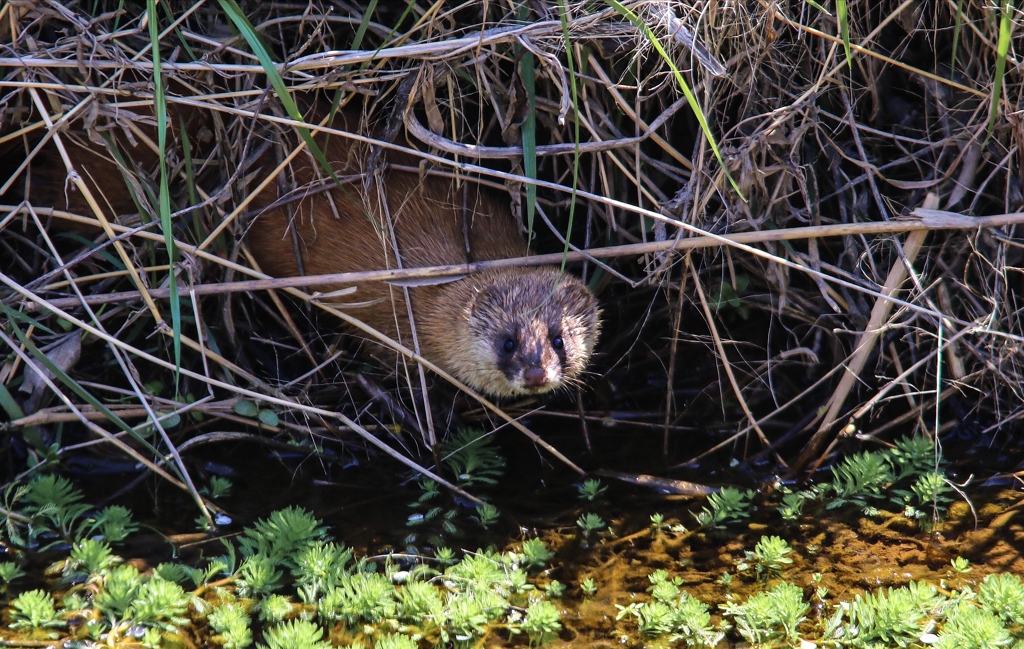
(557, 342)
(509, 346)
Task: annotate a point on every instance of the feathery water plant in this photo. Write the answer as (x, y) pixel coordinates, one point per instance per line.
(589, 587)
(487, 515)
(296, 634)
(474, 458)
(230, 624)
(120, 587)
(160, 604)
(259, 575)
(9, 571)
(771, 615)
(283, 536)
(730, 505)
(1003, 595)
(395, 641)
(274, 609)
(89, 557)
(968, 627)
(894, 617)
(319, 568)
(535, 554)
(589, 524)
(672, 612)
(555, 589)
(913, 455)
(542, 622)
(360, 597)
(419, 601)
(35, 610)
(591, 490)
(467, 616)
(113, 523)
(769, 557)
(859, 478)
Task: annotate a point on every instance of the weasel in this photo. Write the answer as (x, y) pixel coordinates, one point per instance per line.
(505, 332)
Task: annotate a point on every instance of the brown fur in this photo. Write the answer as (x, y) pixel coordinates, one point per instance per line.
(550, 319)
(462, 325)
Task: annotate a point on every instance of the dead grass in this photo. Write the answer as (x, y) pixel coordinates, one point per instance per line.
(813, 300)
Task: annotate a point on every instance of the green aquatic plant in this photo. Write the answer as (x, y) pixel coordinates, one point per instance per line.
(588, 587)
(218, 488)
(591, 489)
(1003, 595)
(914, 455)
(181, 574)
(968, 627)
(419, 601)
(481, 569)
(769, 557)
(682, 618)
(664, 589)
(590, 523)
(319, 567)
(160, 604)
(283, 536)
(436, 521)
(9, 572)
(655, 618)
(258, 575)
(555, 589)
(34, 610)
(445, 556)
(120, 588)
(961, 565)
(859, 478)
(466, 616)
(230, 624)
(769, 616)
(487, 515)
(728, 506)
(395, 641)
(274, 609)
(52, 505)
(296, 634)
(542, 622)
(894, 617)
(474, 458)
(792, 505)
(360, 597)
(113, 523)
(535, 554)
(88, 557)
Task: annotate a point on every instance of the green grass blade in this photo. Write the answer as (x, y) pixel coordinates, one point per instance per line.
(10, 406)
(685, 87)
(248, 32)
(844, 29)
(958, 23)
(164, 200)
(528, 73)
(564, 17)
(1002, 49)
(73, 385)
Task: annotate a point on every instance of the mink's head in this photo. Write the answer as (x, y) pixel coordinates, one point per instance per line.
(528, 331)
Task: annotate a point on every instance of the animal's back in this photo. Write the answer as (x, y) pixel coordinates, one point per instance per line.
(433, 222)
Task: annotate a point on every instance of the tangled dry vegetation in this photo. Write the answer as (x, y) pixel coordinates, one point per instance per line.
(856, 259)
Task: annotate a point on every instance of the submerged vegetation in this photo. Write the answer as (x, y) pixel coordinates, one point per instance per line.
(802, 221)
(286, 582)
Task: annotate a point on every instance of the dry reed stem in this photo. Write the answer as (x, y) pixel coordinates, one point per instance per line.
(802, 134)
